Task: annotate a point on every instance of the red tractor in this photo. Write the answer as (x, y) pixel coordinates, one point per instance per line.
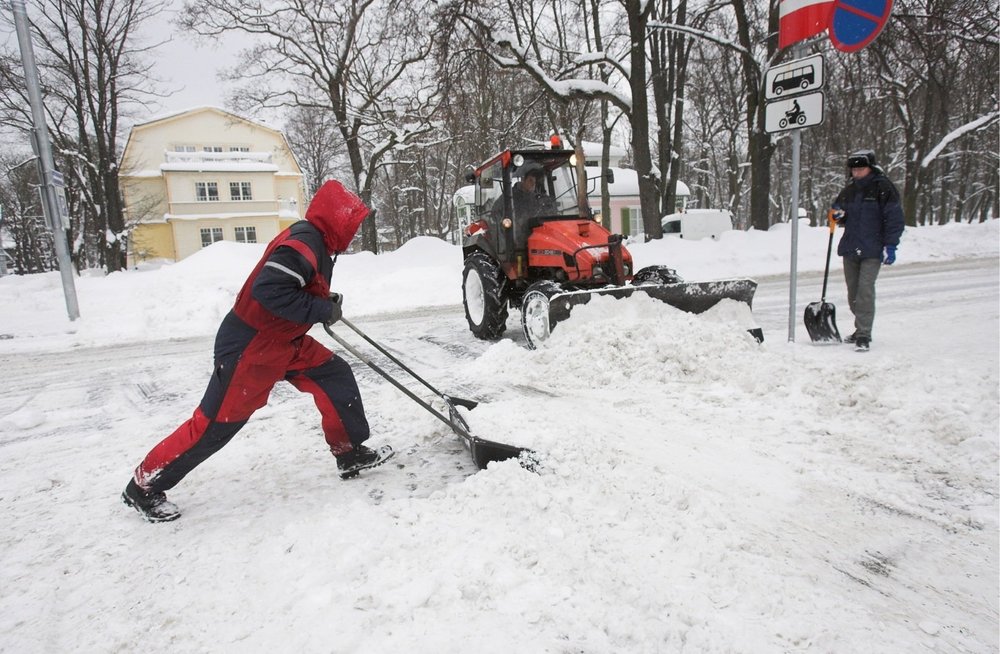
(533, 244)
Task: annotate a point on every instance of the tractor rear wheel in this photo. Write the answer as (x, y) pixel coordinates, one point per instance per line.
(535, 312)
(484, 297)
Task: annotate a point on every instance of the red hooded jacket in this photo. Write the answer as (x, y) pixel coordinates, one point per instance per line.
(288, 290)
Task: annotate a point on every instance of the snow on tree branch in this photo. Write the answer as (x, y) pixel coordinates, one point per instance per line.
(977, 124)
(568, 88)
(699, 34)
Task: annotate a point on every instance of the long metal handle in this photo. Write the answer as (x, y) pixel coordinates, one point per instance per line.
(468, 404)
(392, 380)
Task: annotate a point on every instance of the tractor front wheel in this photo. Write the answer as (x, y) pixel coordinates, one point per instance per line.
(535, 312)
(484, 297)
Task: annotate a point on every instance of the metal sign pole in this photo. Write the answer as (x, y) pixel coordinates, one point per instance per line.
(804, 75)
(793, 273)
(46, 164)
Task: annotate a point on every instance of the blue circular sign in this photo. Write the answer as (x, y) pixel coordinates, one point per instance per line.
(855, 23)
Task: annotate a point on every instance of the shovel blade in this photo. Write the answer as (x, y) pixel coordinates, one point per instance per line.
(484, 451)
(821, 322)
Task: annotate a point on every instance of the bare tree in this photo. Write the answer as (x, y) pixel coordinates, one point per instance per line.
(519, 36)
(93, 67)
(317, 144)
(23, 221)
(930, 50)
(365, 62)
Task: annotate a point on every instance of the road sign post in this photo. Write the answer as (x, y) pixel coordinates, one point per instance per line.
(794, 102)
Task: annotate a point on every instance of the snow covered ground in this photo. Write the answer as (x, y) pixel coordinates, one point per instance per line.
(698, 493)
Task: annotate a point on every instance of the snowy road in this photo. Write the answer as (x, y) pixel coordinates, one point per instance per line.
(700, 495)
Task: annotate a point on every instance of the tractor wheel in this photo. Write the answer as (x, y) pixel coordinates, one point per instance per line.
(535, 312)
(657, 275)
(484, 297)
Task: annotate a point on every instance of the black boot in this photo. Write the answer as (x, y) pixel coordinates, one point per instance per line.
(153, 507)
(361, 458)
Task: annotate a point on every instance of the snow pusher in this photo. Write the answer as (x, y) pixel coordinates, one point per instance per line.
(482, 450)
(534, 245)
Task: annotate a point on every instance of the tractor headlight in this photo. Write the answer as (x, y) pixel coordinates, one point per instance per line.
(598, 271)
(628, 270)
(506, 223)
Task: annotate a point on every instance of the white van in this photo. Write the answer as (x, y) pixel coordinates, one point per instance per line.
(695, 224)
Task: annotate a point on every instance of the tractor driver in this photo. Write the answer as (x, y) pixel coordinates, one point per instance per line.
(530, 199)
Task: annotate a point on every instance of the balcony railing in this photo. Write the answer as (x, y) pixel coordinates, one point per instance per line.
(218, 157)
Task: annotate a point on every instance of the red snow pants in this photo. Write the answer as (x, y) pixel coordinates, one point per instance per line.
(241, 383)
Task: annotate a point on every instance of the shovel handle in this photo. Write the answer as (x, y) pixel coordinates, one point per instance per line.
(832, 221)
(468, 404)
(392, 380)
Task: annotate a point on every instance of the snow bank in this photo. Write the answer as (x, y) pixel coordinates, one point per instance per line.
(159, 302)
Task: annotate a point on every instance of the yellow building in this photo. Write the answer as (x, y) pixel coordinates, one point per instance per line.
(205, 175)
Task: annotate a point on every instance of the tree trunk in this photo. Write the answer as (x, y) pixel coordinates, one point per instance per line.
(638, 13)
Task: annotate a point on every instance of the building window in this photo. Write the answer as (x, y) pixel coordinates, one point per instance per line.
(239, 148)
(184, 148)
(246, 234)
(635, 225)
(212, 148)
(206, 191)
(210, 235)
(239, 191)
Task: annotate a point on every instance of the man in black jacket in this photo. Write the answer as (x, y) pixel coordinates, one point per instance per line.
(868, 209)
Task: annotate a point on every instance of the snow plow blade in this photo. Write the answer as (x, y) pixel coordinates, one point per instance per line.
(693, 297)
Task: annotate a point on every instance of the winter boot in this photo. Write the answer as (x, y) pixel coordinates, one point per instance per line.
(361, 458)
(853, 338)
(862, 344)
(153, 507)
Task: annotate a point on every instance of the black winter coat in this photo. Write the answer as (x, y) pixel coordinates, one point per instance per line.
(873, 218)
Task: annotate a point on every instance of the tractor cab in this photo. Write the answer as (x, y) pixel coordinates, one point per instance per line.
(531, 215)
(518, 190)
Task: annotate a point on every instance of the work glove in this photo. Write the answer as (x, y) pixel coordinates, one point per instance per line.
(837, 214)
(890, 255)
(337, 304)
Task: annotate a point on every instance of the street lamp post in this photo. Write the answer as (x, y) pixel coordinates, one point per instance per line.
(53, 196)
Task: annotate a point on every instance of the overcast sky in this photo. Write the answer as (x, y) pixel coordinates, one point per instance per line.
(189, 67)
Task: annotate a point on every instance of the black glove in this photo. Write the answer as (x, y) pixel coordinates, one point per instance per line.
(337, 305)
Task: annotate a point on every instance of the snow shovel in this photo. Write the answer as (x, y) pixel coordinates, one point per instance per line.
(821, 317)
(483, 451)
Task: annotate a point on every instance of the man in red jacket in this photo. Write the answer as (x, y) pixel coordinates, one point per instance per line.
(262, 341)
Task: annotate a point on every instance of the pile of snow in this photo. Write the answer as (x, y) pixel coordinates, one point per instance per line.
(190, 297)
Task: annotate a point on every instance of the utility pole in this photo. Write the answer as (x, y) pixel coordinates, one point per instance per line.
(51, 188)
